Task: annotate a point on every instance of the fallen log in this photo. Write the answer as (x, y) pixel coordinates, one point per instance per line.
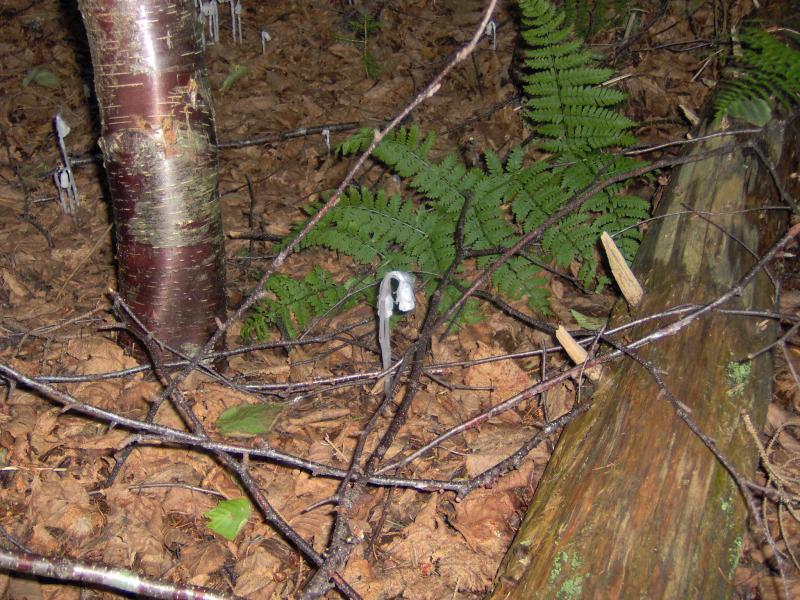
(633, 504)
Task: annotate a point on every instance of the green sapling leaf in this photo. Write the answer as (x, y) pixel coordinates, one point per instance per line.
(43, 77)
(755, 111)
(235, 73)
(248, 420)
(229, 517)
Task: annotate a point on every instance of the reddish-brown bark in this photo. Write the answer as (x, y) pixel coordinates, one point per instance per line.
(160, 152)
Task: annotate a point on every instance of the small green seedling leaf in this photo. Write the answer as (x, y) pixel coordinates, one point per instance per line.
(247, 420)
(755, 111)
(43, 77)
(588, 322)
(229, 517)
(235, 73)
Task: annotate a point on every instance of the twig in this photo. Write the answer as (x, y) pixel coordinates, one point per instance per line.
(162, 434)
(646, 149)
(538, 388)
(251, 213)
(273, 138)
(26, 207)
(253, 235)
(118, 579)
(755, 146)
(100, 239)
(358, 378)
(202, 440)
(780, 341)
(683, 414)
(513, 462)
(269, 138)
(184, 486)
(12, 540)
(239, 468)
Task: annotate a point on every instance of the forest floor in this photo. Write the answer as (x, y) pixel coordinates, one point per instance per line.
(317, 69)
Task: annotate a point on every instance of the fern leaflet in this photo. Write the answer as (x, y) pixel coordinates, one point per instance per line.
(768, 70)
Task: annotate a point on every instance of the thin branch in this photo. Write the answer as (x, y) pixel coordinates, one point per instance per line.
(540, 387)
(269, 138)
(121, 580)
(684, 414)
(274, 138)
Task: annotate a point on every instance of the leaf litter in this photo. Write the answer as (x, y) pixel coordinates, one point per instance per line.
(153, 518)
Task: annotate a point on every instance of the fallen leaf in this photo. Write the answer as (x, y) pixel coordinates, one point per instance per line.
(229, 517)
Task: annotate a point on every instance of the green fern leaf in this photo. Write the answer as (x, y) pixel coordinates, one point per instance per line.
(768, 72)
(575, 118)
(295, 302)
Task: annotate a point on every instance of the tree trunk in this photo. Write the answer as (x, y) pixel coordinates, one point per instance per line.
(632, 504)
(160, 153)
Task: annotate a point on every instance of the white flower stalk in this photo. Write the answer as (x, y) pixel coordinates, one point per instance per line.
(404, 296)
(64, 180)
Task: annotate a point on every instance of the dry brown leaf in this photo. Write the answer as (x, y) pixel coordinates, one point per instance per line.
(358, 572)
(428, 541)
(65, 504)
(256, 573)
(102, 394)
(326, 416)
(314, 525)
(483, 519)
(299, 81)
(219, 480)
(98, 355)
(19, 291)
(24, 588)
(43, 541)
(560, 399)
(202, 559)
(137, 396)
(505, 376)
(772, 588)
(319, 487)
(132, 535)
(492, 445)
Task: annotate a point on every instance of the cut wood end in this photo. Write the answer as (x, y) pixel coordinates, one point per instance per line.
(626, 280)
(576, 352)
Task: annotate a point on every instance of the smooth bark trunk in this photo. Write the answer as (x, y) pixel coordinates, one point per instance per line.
(160, 153)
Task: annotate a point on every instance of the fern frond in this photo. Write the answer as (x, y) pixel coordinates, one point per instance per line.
(358, 142)
(564, 103)
(576, 96)
(370, 227)
(445, 185)
(294, 302)
(576, 120)
(768, 70)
